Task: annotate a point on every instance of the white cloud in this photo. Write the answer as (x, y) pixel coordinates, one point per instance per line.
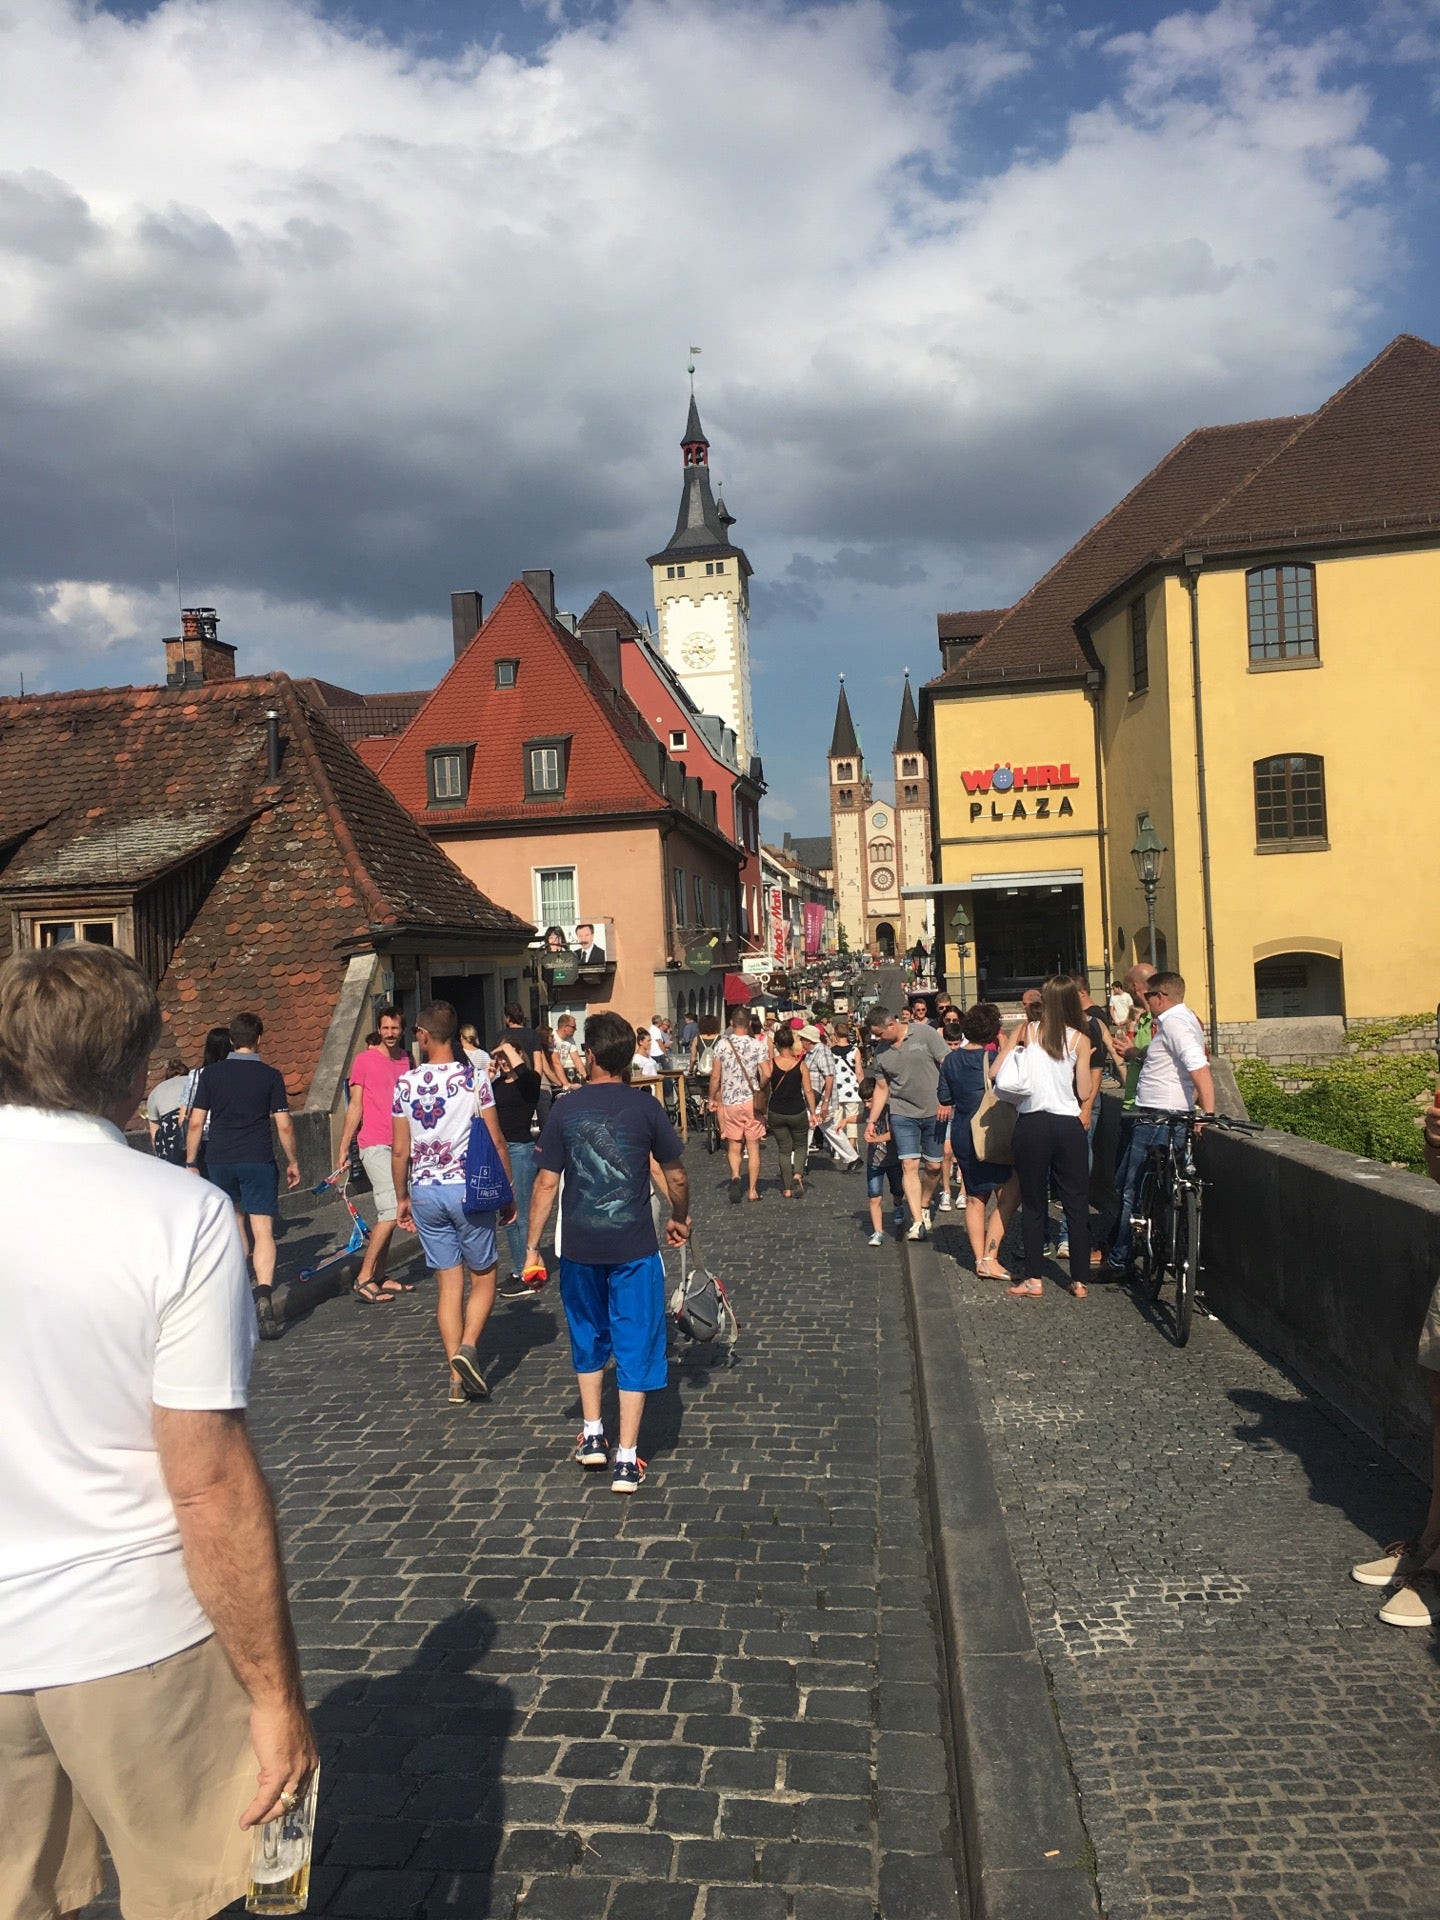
(388, 325)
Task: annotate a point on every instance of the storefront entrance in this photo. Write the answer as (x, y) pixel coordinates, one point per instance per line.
(1024, 934)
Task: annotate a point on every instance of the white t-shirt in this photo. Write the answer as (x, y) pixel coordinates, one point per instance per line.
(122, 1287)
(439, 1102)
(1052, 1081)
(645, 1066)
(1177, 1048)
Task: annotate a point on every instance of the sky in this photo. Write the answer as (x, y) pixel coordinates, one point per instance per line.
(343, 307)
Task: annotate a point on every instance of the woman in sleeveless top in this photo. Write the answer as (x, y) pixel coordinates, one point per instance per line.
(1050, 1139)
(791, 1115)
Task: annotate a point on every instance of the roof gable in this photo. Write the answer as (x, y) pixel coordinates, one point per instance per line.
(558, 691)
(605, 614)
(1036, 638)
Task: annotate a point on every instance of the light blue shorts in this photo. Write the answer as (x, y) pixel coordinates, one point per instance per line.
(449, 1236)
(617, 1310)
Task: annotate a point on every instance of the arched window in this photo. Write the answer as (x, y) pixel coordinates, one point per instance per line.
(845, 770)
(882, 850)
(909, 768)
(1281, 604)
(1290, 801)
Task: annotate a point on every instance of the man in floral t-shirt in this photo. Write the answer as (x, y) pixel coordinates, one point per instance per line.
(742, 1067)
(434, 1105)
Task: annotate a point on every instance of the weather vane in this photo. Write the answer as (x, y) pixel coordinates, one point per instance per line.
(691, 370)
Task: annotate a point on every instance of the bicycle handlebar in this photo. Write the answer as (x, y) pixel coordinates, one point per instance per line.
(1163, 1116)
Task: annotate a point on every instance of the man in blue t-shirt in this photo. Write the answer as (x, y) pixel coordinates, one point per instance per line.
(603, 1137)
(240, 1095)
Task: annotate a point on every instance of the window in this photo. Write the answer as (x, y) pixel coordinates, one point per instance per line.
(909, 769)
(725, 914)
(1140, 648)
(912, 794)
(669, 573)
(447, 775)
(677, 889)
(719, 566)
(557, 901)
(1282, 613)
(709, 566)
(845, 770)
(699, 901)
(1290, 801)
(507, 672)
(679, 740)
(847, 798)
(882, 850)
(546, 766)
(67, 933)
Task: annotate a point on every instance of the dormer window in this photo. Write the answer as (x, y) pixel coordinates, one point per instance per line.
(507, 672)
(66, 933)
(546, 767)
(447, 776)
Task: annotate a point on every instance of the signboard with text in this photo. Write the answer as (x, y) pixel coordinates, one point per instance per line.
(1020, 793)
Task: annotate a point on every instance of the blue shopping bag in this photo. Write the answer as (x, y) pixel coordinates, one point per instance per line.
(487, 1185)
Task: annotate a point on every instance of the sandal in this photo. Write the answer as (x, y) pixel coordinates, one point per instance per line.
(987, 1267)
(371, 1294)
(392, 1287)
(1078, 1291)
(1027, 1290)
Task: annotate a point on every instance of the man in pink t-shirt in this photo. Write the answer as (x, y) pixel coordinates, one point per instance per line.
(373, 1077)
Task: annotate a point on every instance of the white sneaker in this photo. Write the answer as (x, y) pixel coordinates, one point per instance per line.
(944, 1203)
(1062, 1251)
(920, 1230)
(877, 1239)
(925, 1220)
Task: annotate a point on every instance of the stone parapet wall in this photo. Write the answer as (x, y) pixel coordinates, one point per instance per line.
(1303, 1043)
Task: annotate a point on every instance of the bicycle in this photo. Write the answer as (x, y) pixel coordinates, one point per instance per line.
(701, 1118)
(1165, 1221)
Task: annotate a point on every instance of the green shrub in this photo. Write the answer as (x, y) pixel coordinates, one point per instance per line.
(1368, 1104)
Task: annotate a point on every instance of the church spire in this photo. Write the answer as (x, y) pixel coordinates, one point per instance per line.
(843, 743)
(907, 738)
(695, 446)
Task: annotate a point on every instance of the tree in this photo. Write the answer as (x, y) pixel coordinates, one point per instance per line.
(844, 944)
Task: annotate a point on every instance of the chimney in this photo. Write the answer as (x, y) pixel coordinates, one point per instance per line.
(541, 582)
(467, 616)
(272, 746)
(603, 646)
(196, 654)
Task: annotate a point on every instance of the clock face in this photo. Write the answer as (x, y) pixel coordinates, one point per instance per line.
(882, 879)
(697, 650)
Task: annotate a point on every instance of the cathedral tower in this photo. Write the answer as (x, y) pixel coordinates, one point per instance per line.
(912, 818)
(702, 597)
(849, 799)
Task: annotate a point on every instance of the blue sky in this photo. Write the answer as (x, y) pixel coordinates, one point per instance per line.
(394, 299)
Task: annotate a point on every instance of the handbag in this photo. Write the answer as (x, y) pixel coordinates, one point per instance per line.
(487, 1185)
(1015, 1081)
(992, 1125)
(759, 1096)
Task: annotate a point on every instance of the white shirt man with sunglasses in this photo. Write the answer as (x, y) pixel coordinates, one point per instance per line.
(1175, 1078)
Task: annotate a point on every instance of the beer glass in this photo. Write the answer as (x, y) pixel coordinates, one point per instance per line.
(280, 1861)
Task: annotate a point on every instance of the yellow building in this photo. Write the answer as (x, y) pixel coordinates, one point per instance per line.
(1247, 651)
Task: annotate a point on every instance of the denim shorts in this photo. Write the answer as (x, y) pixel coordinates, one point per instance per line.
(251, 1185)
(449, 1236)
(917, 1139)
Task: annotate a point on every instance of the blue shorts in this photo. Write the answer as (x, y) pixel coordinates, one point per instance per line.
(918, 1139)
(449, 1236)
(252, 1185)
(617, 1311)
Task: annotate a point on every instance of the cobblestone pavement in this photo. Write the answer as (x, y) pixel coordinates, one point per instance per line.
(1248, 1740)
(719, 1699)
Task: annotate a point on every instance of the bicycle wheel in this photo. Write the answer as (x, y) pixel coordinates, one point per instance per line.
(712, 1131)
(1185, 1261)
(1145, 1228)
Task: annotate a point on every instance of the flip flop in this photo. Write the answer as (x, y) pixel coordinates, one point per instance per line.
(1027, 1290)
(371, 1294)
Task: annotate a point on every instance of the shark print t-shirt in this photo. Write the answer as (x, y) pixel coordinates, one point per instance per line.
(601, 1139)
(439, 1102)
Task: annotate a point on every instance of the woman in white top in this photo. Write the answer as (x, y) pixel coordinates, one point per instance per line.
(1050, 1140)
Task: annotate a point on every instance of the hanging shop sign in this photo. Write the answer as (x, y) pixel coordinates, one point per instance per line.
(1004, 784)
(779, 927)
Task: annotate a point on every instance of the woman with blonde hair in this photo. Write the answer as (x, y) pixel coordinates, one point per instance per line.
(1050, 1140)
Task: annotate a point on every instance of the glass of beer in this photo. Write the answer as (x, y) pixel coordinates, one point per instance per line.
(280, 1861)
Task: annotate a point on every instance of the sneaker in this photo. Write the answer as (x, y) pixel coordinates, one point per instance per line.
(898, 1217)
(512, 1287)
(466, 1363)
(919, 1231)
(592, 1451)
(1062, 1250)
(925, 1219)
(877, 1239)
(266, 1324)
(627, 1476)
(1416, 1604)
(943, 1203)
(1398, 1562)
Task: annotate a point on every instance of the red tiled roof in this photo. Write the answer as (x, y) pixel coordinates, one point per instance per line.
(559, 690)
(134, 782)
(1036, 638)
(1368, 462)
(969, 626)
(361, 716)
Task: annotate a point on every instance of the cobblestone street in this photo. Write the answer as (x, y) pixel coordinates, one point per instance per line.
(1248, 1740)
(719, 1699)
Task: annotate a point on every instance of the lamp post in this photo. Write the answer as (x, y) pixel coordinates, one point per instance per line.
(960, 931)
(1148, 853)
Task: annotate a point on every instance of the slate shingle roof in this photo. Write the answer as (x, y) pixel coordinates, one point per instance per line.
(118, 788)
(972, 625)
(605, 614)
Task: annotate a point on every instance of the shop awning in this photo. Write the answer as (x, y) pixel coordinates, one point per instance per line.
(980, 882)
(737, 990)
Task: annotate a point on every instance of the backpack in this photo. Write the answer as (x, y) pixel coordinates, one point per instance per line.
(170, 1137)
(701, 1305)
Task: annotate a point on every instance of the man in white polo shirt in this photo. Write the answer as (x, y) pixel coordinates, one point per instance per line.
(148, 1670)
(1175, 1078)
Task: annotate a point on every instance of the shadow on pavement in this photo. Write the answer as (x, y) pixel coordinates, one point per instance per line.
(1345, 1470)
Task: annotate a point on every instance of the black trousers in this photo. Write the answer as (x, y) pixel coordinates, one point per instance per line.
(1052, 1146)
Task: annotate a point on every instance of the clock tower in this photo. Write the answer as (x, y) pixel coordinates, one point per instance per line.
(702, 598)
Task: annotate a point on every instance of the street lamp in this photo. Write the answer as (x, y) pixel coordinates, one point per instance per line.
(1148, 853)
(960, 931)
